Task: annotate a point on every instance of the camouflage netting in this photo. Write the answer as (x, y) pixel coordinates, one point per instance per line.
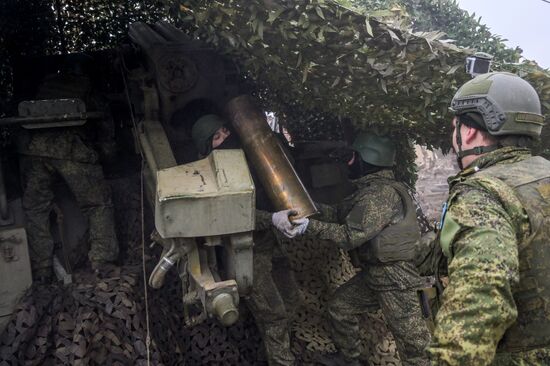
(321, 267)
(318, 55)
(317, 64)
(97, 321)
(322, 66)
(315, 55)
(103, 322)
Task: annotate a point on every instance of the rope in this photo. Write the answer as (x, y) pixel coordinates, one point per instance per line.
(148, 339)
(146, 295)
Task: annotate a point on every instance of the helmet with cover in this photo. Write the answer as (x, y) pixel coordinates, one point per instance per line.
(507, 104)
(375, 149)
(203, 130)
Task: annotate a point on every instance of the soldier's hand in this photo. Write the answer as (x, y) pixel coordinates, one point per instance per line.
(282, 222)
(300, 226)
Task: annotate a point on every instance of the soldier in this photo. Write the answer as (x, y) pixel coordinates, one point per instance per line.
(377, 223)
(271, 312)
(66, 153)
(495, 235)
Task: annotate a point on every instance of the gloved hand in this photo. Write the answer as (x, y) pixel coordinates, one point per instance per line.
(282, 222)
(300, 226)
(289, 228)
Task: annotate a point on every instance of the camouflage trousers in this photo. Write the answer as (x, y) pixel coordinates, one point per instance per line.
(273, 298)
(91, 191)
(392, 288)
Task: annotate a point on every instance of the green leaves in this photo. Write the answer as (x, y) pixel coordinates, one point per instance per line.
(369, 27)
(317, 56)
(319, 12)
(274, 14)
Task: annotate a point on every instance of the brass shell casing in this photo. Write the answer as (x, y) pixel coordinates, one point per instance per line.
(265, 152)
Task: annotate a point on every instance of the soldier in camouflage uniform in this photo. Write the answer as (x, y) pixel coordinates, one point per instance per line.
(66, 153)
(272, 306)
(378, 224)
(495, 236)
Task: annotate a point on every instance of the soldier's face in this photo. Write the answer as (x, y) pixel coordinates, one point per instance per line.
(219, 137)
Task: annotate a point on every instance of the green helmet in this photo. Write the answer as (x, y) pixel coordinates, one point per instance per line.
(374, 149)
(508, 104)
(203, 129)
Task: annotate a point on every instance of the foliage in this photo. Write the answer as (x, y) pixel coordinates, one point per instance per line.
(315, 62)
(468, 31)
(46, 27)
(465, 29)
(315, 55)
(42, 27)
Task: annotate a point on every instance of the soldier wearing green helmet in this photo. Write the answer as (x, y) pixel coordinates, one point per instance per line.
(374, 149)
(495, 233)
(208, 132)
(271, 305)
(377, 223)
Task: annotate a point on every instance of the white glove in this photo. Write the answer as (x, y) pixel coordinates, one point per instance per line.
(300, 226)
(281, 221)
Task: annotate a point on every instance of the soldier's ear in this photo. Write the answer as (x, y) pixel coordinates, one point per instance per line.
(352, 159)
(470, 135)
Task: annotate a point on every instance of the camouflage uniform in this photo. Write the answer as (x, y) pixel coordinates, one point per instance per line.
(496, 237)
(271, 302)
(272, 310)
(47, 154)
(387, 283)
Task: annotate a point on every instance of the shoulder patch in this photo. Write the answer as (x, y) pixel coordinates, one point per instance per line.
(447, 235)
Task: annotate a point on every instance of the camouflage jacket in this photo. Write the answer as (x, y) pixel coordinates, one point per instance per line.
(479, 239)
(373, 205)
(81, 143)
(379, 206)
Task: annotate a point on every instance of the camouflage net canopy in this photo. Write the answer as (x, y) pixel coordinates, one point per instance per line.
(315, 62)
(320, 56)
(324, 67)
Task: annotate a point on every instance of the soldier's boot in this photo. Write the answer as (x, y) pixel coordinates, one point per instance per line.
(337, 359)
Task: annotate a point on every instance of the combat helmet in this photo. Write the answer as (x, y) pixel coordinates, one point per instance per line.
(507, 104)
(203, 130)
(374, 149)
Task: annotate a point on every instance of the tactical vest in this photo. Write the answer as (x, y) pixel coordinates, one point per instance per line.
(530, 181)
(397, 241)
